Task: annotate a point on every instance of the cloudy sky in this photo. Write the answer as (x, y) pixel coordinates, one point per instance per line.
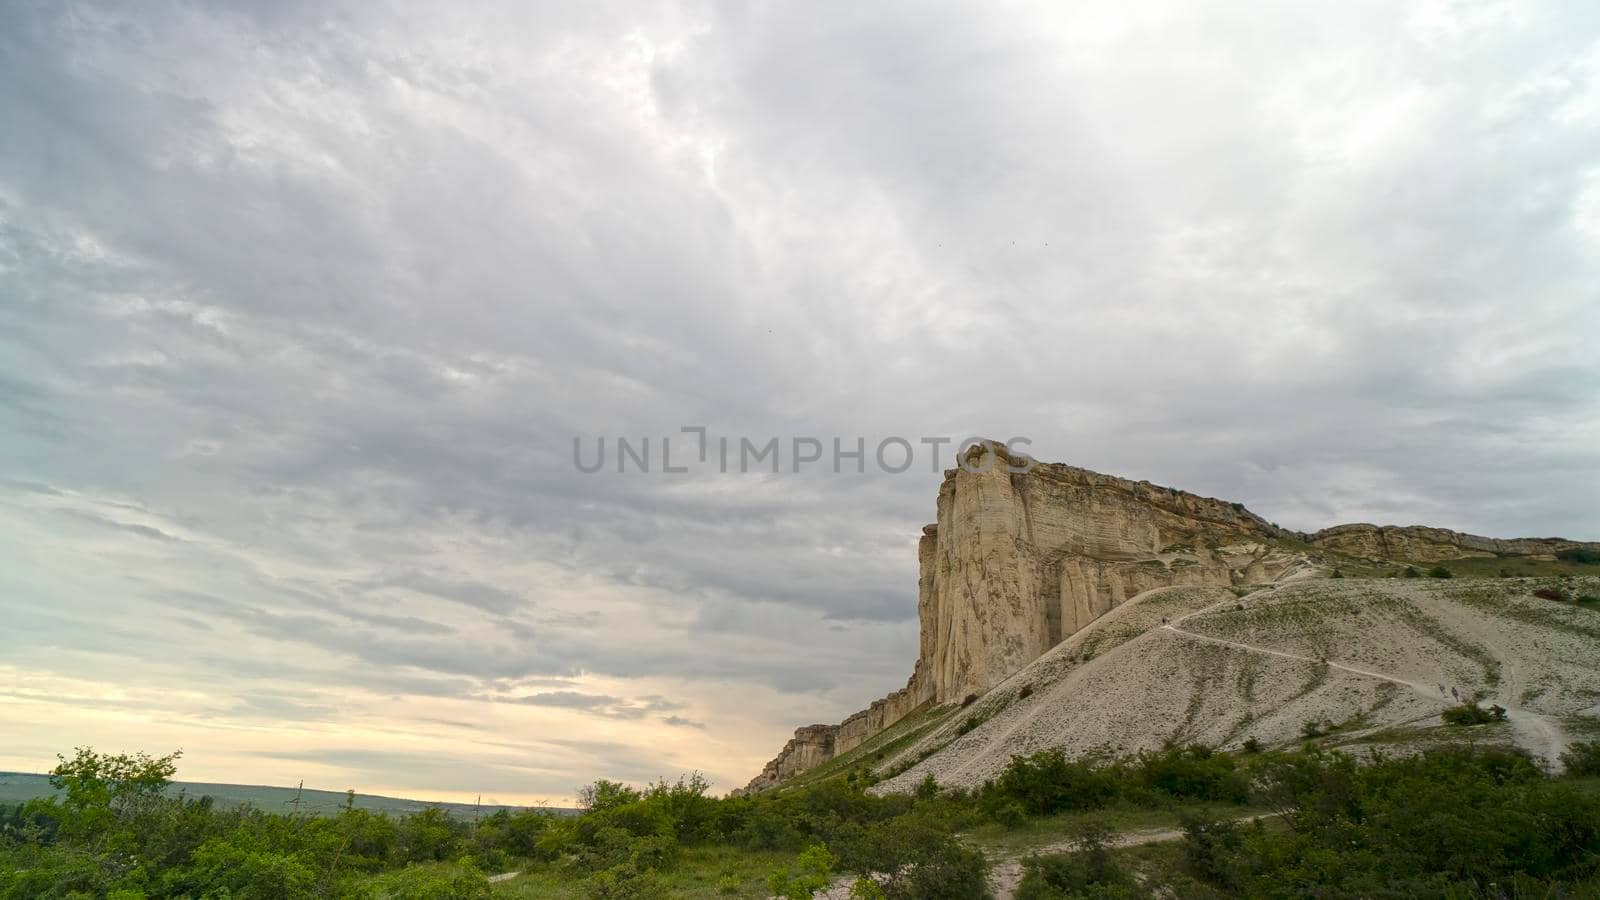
(302, 306)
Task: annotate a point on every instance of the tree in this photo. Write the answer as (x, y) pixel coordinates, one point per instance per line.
(603, 795)
(101, 787)
(93, 779)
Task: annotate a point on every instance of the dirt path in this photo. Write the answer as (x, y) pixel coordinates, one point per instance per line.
(1005, 875)
(1543, 734)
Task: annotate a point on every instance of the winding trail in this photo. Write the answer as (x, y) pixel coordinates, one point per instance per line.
(1005, 876)
(1533, 729)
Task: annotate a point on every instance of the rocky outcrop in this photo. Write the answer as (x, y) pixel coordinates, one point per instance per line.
(811, 746)
(1418, 543)
(1024, 554)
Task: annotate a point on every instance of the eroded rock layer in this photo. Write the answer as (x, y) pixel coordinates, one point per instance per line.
(1418, 543)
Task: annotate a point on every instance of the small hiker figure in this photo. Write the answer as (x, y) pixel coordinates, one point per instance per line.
(1441, 690)
(1455, 693)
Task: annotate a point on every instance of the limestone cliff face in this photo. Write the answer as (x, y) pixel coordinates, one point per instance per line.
(1023, 555)
(1020, 560)
(1417, 543)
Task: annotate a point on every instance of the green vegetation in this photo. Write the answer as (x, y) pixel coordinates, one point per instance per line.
(18, 787)
(1343, 829)
(1581, 555)
(1473, 714)
(1582, 759)
(1451, 823)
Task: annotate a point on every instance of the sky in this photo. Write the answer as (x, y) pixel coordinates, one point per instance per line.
(303, 306)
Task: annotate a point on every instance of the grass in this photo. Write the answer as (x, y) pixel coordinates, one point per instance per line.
(1508, 601)
(1426, 737)
(700, 872)
(1490, 566)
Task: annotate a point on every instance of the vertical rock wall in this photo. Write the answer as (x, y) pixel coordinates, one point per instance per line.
(1023, 555)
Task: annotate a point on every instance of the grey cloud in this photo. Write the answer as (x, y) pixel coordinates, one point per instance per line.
(334, 302)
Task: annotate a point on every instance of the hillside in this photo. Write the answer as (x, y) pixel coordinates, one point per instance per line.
(1371, 662)
(1065, 608)
(20, 787)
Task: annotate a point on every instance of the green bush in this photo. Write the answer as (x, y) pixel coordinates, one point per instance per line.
(1440, 572)
(1473, 714)
(1210, 848)
(812, 873)
(1411, 572)
(924, 861)
(1009, 814)
(1048, 782)
(1445, 823)
(241, 867)
(624, 882)
(1580, 555)
(1582, 758)
(1314, 728)
(1088, 871)
(1192, 773)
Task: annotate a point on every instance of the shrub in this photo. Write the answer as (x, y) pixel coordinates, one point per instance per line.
(1582, 758)
(1010, 814)
(1588, 599)
(1411, 572)
(1047, 782)
(1314, 728)
(812, 872)
(1192, 773)
(1025, 691)
(1440, 572)
(1209, 848)
(927, 788)
(1473, 714)
(625, 882)
(1336, 574)
(1549, 593)
(1251, 745)
(1088, 871)
(1580, 555)
(865, 888)
(925, 862)
(243, 867)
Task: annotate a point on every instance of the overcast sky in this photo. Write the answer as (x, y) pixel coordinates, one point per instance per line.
(302, 306)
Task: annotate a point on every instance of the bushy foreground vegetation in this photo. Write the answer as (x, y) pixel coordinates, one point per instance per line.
(1451, 821)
